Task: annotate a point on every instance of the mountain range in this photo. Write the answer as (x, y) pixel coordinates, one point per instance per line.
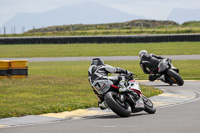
(85, 13)
(183, 15)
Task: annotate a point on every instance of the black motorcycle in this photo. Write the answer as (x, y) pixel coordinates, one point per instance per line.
(169, 74)
(130, 101)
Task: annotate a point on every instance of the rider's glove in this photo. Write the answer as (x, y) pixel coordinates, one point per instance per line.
(129, 74)
(121, 90)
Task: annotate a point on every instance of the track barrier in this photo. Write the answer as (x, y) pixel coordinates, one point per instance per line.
(101, 39)
(4, 68)
(13, 69)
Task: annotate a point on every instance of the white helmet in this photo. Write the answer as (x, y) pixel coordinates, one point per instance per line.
(142, 52)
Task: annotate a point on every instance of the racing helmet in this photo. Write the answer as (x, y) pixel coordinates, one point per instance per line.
(142, 52)
(97, 61)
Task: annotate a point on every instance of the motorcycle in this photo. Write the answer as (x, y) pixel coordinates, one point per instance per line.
(169, 73)
(130, 101)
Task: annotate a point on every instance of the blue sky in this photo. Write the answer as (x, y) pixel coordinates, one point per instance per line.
(152, 9)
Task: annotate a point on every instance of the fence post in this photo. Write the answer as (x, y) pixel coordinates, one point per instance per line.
(118, 28)
(142, 27)
(154, 26)
(4, 30)
(95, 28)
(11, 30)
(14, 30)
(23, 29)
(130, 29)
(71, 28)
(65, 28)
(85, 28)
(177, 27)
(107, 27)
(190, 27)
(80, 27)
(74, 28)
(166, 26)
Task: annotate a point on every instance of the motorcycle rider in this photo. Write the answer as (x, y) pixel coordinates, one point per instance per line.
(101, 82)
(149, 64)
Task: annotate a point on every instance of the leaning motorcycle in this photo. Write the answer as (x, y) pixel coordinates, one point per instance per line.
(131, 101)
(169, 74)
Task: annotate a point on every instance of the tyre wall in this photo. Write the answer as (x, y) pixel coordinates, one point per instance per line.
(100, 39)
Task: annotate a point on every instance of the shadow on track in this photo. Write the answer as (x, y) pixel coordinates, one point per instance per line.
(117, 117)
(164, 85)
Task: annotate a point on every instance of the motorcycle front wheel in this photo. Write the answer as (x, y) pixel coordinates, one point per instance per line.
(148, 105)
(175, 77)
(123, 109)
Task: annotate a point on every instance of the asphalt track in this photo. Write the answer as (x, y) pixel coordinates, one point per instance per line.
(106, 58)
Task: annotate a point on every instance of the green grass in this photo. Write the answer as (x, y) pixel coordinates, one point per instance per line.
(112, 49)
(189, 69)
(63, 86)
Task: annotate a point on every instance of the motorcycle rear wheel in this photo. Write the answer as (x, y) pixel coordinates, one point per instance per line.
(123, 109)
(175, 77)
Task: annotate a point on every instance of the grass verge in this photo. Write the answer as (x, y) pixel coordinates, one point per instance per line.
(112, 49)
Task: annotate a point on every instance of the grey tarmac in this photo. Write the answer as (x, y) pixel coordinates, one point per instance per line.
(106, 58)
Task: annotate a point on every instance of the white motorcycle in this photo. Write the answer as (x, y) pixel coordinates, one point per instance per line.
(130, 101)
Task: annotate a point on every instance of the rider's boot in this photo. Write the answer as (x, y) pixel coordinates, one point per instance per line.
(102, 105)
(162, 78)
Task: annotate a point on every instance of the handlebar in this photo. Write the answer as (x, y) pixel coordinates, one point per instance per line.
(129, 76)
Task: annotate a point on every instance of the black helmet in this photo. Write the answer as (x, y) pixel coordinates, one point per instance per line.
(97, 61)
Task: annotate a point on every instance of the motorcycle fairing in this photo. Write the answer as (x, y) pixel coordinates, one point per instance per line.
(139, 103)
(102, 86)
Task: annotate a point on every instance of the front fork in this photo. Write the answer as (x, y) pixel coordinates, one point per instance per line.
(127, 97)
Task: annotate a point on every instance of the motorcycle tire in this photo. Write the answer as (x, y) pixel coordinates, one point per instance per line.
(123, 109)
(148, 105)
(175, 77)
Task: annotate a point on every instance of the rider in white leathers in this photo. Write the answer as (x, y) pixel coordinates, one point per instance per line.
(100, 81)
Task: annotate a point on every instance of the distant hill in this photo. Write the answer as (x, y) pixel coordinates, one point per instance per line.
(148, 23)
(85, 13)
(191, 23)
(123, 25)
(183, 15)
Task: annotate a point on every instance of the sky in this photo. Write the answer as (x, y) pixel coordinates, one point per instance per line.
(152, 9)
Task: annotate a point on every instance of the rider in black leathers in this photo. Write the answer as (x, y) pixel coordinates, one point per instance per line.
(149, 64)
(100, 81)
